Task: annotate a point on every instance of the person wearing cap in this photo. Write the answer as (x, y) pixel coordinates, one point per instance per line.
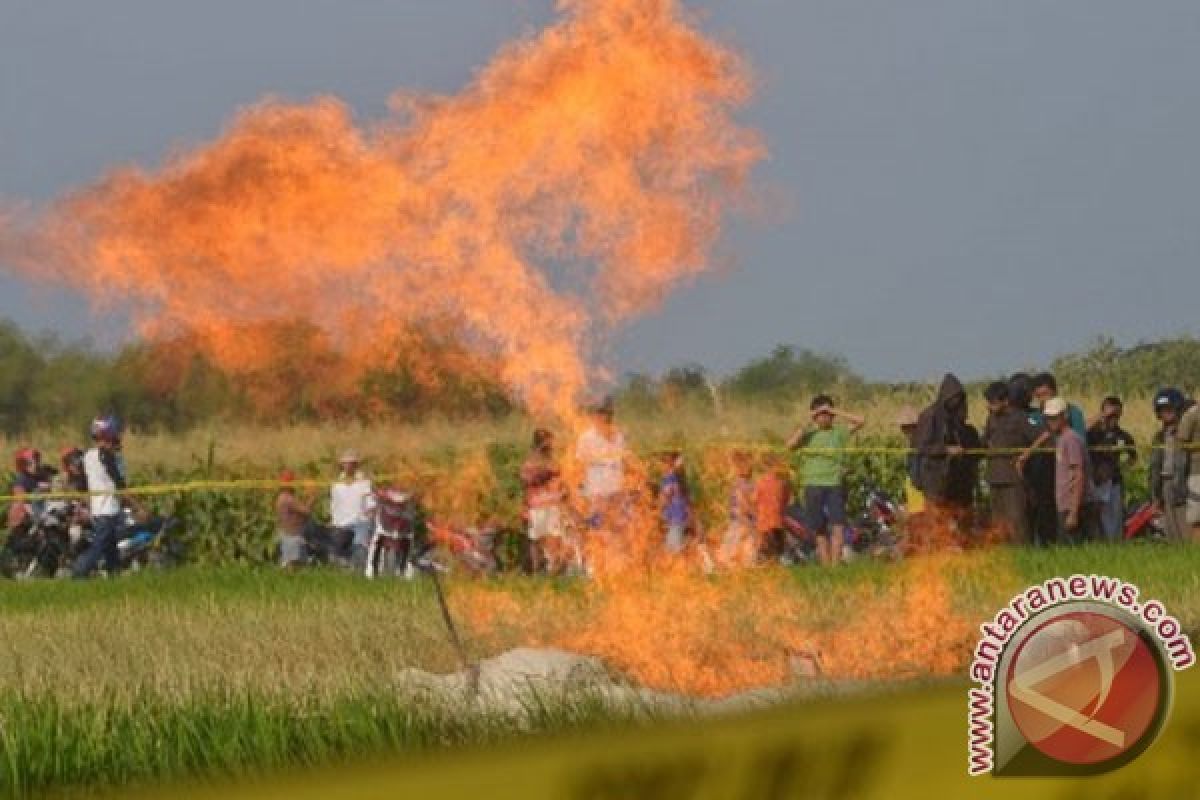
(914, 498)
(1072, 472)
(1169, 464)
(27, 481)
(104, 468)
(350, 506)
(601, 451)
(824, 473)
(1006, 434)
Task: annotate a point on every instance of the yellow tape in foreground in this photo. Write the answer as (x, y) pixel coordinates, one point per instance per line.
(910, 745)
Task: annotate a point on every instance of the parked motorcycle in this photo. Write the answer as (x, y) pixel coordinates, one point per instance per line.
(1145, 524)
(42, 546)
(393, 549)
(875, 533)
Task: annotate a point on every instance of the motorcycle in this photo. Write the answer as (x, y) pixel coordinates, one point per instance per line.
(1144, 524)
(144, 540)
(42, 546)
(472, 548)
(875, 533)
(394, 549)
(149, 540)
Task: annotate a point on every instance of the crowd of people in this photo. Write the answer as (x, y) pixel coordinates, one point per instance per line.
(1053, 476)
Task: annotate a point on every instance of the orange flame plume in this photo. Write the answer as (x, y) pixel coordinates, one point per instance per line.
(581, 176)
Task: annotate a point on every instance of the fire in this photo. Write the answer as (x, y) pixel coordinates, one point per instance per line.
(581, 176)
(671, 624)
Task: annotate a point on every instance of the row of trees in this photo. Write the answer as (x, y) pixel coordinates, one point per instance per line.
(790, 372)
(45, 382)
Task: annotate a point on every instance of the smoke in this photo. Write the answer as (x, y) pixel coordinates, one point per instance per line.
(582, 176)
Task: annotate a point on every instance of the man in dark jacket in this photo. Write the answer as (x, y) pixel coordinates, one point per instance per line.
(1037, 468)
(1008, 432)
(947, 473)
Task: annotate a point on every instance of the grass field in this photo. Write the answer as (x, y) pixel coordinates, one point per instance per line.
(467, 472)
(241, 447)
(207, 672)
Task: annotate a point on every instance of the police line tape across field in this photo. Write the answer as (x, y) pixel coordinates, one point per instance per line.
(885, 744)
(267, 485)
(273, 484)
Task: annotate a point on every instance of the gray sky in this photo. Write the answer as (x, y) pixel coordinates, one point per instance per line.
(958, 184)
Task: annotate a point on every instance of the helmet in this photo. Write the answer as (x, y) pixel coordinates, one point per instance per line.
(107, 428)
(26, 457)
(1171, 399)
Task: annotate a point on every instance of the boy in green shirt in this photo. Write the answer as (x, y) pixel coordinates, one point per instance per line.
(823, 473)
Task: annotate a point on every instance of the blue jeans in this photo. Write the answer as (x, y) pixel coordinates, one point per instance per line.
(104, 545)
(1110, 497)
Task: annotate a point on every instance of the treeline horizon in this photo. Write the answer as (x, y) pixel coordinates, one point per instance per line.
(48, 383)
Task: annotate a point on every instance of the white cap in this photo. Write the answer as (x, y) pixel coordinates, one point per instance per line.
(1055, 407)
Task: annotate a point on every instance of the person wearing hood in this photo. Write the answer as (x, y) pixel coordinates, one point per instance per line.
(947, 468)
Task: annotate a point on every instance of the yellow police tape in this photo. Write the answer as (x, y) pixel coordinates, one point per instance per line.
(254, 484)
(893, 745)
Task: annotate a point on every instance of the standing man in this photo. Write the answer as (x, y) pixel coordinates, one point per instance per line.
(1169, 464)
(824, 473)
(1110, 447)
(1072, 476)
(1189, 441)
(1007, 433)
(1036, 464)
(600, 451)
(1045, 389)
(350, 506)
(104, 468)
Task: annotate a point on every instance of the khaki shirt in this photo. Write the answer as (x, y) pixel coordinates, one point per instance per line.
(1188, 437)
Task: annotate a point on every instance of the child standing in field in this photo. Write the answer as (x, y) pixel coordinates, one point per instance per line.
(542, 484)
(772, 494)
(673, 501)
(741, 528)
(292, 518)
(824, 471)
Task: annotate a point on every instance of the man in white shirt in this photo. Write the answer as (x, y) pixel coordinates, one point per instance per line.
(350, 506)
(600, 451)
(105, 471)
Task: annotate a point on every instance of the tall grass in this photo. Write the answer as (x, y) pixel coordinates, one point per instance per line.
(219, 672)
(264, 449)
(46, 744)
